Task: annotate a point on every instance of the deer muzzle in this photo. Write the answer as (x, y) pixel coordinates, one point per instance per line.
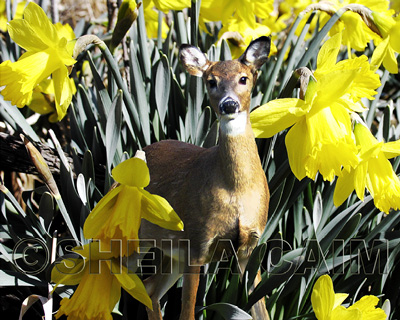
(229, 106)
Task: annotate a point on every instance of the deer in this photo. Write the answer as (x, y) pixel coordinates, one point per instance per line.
(219, 192)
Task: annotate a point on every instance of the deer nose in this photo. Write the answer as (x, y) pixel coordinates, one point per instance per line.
(229, 106)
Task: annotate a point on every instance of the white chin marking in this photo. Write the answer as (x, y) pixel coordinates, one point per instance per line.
(233, 124)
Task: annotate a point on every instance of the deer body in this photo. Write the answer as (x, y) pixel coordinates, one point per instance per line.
(220, 193)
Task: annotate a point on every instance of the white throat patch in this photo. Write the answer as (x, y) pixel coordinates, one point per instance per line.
(233, 124)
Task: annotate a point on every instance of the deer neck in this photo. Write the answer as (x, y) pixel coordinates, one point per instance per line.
(237, 152)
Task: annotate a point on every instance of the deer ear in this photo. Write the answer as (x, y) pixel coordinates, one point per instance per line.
(194, 61)
(256, 53)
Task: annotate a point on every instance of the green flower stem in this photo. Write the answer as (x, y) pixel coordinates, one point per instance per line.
(314, 46)
(279, 61)
(80, 45)
(194, 22)
(59, 199)
(374, 104)
(311, 51)
(297, 49)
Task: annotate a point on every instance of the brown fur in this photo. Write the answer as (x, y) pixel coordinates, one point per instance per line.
(220, 192)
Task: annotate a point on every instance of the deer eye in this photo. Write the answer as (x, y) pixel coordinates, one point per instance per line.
(243, 80)
(212, 83)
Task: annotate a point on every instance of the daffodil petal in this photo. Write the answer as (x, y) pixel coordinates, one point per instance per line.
(339, 298)
(365, 303)
(395, 36)
(41, 24)
(355, 33)
(167, 5)
(328, 53)
(365, 81)
(68, 271)
(383, 184)
(99, 216)
(379, 54)
(332, 145)
(23, 34)
(360, 179)
(372, 152)
(40, 98)
(134, 286)
(391, 149)
(217, 10)
(345, 314)
(22, 76)
(327, 92)
(348, 103)
(367, 307)
(276, 116)
(36, 33)
(95, 250)
(364, 137)
(65, 30)
(95, 296)
(323, 298)
(132, 172)
(63, 91)
(298, 148)
(157, 210)
(118, 219)
(390, 61)
(344, 187)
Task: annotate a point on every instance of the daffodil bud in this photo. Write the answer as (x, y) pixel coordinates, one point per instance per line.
(41, 166)
(383, 22)
(127, 14)
(308, 90)
(303, 75)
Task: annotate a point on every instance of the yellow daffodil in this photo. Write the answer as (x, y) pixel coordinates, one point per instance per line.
(127, 14)
(119, 212)
(365, 81)
(245, 34)
(293, 6)
(356, 34)
(374, 172)
(211, 10)
(47, 53)
(327, 304)
(395, 5)
(42, 100)
(321, 136)
(276, 23)
(320, 139)
(367, 306)
(151, 21)
(99, 284)
(42, 97)
(166, 5)
(3, 16)
(262, 8)
(384, 53)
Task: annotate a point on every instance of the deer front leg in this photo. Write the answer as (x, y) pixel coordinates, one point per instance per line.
(189, 292)
(258, 310)
(158, 284)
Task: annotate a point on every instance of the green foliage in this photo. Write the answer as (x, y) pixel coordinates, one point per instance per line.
(112, 116)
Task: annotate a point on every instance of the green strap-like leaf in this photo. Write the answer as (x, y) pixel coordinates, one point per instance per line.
(227, 311)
